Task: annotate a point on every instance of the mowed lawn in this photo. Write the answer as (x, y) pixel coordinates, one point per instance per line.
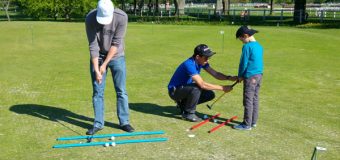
(45, 93)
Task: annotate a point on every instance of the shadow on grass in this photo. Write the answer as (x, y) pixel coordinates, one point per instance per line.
(56, 115)
(149, 108)
(165, 111)
(230, 124)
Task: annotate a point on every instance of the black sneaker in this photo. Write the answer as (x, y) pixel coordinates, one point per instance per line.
(191, 117)
(93, 130)
(127, 128)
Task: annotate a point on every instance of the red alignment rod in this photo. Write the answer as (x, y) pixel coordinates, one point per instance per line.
(222, 124)
(205, 121)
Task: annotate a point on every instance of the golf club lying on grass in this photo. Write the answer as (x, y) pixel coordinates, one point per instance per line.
(210, 106)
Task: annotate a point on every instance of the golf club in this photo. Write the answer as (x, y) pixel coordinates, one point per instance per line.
(316, 149)
(210, 106)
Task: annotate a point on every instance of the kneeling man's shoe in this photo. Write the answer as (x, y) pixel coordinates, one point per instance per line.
(191, 117)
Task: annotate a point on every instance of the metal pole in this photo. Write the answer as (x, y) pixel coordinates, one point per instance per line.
(31, 28)
(222, 124)
(314, 154)
(222, 33)
(264, 15)
(300, 16)
(110, 143)
(234, 14)
(110, 135)
(205, 121)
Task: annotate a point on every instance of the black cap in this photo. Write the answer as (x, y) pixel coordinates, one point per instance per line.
(245, 30)
(203, 50)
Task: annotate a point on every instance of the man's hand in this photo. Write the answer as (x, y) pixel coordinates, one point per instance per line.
(102, 69)
(99, 77)
(227, 88)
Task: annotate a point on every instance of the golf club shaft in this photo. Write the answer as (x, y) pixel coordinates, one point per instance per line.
(221, 96)
(218, 99)
(234, 84)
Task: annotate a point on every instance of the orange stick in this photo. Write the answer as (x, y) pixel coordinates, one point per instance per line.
(205, 121)
(222, 124)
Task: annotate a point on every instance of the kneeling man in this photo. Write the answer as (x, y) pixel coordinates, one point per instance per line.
(187, 87)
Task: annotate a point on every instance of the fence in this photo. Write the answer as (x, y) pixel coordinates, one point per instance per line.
(205, 12)
(240, 15)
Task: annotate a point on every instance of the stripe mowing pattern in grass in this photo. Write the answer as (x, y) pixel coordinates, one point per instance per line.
(45, 93)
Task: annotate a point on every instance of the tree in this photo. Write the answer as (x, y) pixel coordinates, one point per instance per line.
(141, 5)
(226, 6)
(123, 5)
(5, 5)
(157, 6)
(299, 11)
(56, 8)
(181, 5)
(176, 6)
(271, 7)
(135, 6)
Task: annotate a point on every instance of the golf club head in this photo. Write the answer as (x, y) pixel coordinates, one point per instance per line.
(320, 148)
(209, 106)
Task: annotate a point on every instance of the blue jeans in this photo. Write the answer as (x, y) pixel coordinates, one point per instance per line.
(118, 72)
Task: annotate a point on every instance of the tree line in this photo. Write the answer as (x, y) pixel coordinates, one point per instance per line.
(67, 9)
(55, 8)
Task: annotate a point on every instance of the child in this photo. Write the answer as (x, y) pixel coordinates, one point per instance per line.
(250, 72)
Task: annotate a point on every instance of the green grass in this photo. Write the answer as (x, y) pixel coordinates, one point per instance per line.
(45, 93)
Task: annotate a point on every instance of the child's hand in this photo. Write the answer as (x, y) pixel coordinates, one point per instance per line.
(239, 79)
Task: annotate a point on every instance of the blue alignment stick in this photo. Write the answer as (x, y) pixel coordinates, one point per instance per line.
(110, 143)
(109, 135)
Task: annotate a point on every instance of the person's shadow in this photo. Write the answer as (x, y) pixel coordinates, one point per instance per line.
(171, 112)
(149, 108)
(165, 111)
(56, 115)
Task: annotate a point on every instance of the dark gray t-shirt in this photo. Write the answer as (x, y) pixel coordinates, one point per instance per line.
(102, 37)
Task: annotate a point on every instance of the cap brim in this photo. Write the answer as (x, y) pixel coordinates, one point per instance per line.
(252, 32)
(210, 54)
(104, 20)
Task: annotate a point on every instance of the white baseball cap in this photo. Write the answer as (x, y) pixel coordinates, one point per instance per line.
(104, 12)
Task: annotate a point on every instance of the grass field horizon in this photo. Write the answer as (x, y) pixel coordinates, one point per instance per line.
(45, 93)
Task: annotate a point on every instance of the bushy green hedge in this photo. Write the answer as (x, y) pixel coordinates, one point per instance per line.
(67, 9)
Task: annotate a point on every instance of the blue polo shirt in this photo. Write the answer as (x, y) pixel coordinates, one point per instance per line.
(184, 72)
(251, 62)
